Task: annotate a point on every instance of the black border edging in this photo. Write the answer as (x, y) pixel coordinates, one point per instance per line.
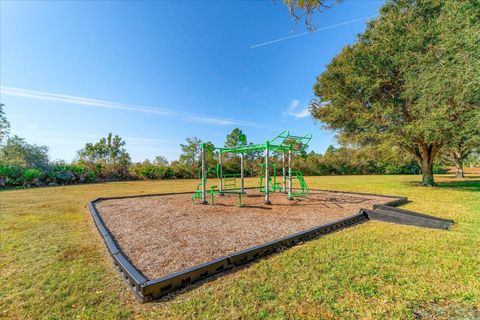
(406, 217)
(412, 213)
(146, 290)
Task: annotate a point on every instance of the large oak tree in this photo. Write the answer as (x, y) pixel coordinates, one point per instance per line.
(410, 79)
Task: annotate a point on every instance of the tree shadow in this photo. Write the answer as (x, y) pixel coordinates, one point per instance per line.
(468, 176)
(466, 185)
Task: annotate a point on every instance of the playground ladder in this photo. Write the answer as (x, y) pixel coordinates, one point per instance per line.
(229, 182)
(301, 181)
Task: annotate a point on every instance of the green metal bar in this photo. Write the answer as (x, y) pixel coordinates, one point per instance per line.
(204, 176)
(284, 176)
(303, 184)
(245, 149)
(239, 202)
(242, 182)
(267, 154)
(220, 170)
(262, 168)
(278, 143)
(290, 196)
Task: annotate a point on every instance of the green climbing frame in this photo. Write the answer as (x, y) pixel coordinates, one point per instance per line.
(284, 144)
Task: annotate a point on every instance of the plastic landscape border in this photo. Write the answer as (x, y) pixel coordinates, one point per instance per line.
(146, 289)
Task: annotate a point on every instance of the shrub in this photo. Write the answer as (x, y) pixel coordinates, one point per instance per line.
(147, 170)
(32, 176)
(11, 175)
(66, 173)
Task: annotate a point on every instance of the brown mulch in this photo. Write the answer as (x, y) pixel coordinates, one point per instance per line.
(166, 234)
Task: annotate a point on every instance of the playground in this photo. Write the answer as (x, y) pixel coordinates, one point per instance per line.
(283, 146)
(163, 242)
(166, 234)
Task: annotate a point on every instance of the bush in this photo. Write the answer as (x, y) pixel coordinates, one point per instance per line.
(147, 170)
(61, 173)
(11, 175)
(32, 176)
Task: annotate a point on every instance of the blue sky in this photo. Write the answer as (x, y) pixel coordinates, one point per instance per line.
(158, 72)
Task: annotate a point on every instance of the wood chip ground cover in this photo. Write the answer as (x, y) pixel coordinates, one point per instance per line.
(166, 234)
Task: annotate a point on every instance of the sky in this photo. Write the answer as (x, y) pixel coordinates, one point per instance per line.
(156, 73)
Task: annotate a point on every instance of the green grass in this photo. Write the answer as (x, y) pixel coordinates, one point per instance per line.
(53, 263)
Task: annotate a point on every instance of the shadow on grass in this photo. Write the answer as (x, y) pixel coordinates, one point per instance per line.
(468, 176)
(447, 310)
(467, 185)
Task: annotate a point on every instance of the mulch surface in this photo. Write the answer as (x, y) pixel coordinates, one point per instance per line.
(166, 234)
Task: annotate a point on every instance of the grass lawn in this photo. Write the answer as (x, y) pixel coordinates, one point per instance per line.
(53, 263)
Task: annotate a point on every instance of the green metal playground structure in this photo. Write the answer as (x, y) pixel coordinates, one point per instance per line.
(285, 144)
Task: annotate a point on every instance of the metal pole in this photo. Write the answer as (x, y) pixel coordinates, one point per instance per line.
(284, 189)
(220, 170)
(290, 196)
(241, 172)
(267, 154)
(204, 176)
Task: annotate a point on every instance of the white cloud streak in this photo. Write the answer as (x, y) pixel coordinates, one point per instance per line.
(83, 137)
(82, 101)
(309, 32)
(295, 112)
(61, 140)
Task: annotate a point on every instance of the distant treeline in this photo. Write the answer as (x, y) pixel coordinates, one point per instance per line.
(24, 165)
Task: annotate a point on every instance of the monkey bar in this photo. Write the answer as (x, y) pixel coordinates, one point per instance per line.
(284, 143)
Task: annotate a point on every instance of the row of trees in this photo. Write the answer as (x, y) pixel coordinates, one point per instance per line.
(24, 164)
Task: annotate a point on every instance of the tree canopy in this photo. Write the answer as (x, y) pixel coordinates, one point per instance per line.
(306, 9)
(4, 124)
(236, 138)
(410, 79)
(160, 161)
(17, 151)
(190, 151)
(109, 151)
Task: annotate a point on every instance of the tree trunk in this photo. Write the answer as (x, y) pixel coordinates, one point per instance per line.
(425, 154)
(459, 167)
(427, 173)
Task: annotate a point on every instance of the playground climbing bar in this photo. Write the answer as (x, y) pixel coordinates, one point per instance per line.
(220, 171)
(290, 196)
(267, 172)
(242, 184)
(204, 176)
(284, 176)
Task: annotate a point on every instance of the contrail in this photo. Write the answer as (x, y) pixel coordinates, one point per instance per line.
(82, 101)
(310, 32)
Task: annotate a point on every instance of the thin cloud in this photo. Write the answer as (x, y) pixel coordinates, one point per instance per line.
(39, 95)
(310, 32)
(293, 110)
(81, 136)
(243, 89)
(59, 140)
